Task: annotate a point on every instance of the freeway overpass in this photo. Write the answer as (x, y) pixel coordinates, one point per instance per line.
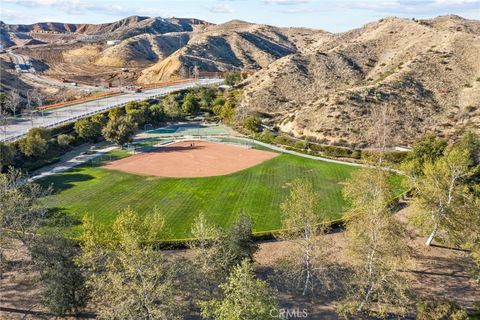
(17, 128)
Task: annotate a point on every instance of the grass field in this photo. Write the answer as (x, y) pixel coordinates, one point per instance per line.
(257, 191)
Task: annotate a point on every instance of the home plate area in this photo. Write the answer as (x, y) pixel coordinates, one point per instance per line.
(191, 158)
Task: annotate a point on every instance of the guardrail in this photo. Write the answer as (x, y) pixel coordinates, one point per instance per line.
(80, 100)
(166, 84)
(101, 110)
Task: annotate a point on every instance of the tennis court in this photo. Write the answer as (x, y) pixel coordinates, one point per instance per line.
(188, 129)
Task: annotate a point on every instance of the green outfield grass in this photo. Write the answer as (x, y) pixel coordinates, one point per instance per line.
(257, 191)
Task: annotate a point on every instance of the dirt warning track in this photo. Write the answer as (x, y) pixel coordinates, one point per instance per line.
(182, 160)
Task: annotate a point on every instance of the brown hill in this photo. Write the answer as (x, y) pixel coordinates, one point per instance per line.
(424, 74)
(235, 44)
(52, 32)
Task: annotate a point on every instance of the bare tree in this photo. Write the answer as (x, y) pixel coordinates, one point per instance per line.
(304, 226)
(381, 131)
(376, 247)
(14, 101)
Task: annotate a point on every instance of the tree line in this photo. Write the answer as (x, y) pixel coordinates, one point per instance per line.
(124, 274)
(44, 146)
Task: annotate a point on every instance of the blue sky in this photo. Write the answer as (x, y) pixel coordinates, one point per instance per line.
(330, 15)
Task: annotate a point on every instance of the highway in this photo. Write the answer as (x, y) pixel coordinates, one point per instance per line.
(17, 128)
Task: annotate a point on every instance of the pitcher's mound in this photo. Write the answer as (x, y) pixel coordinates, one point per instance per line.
(181, 160)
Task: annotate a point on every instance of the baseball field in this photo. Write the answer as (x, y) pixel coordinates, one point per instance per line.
(185, 179)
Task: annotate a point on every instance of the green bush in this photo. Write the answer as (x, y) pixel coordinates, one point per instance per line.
(64, 140)
(266, 137)
(233, 77)
(302, 145)
(284, 141)
(252, 124)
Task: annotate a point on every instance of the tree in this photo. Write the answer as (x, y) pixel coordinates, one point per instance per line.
(440, 193)
(189, 104)
(128, 278)
(4, 100)
(7, 152)
(64, 289)
(90, 128)
(375, 243)
(205, 243)
(205, 95)
(35, 143)
(305, 225)
(14, 101)
(226, 112)
(171, 106)
(233, 77)
(244, 297)
(20, 207)
(138, 111)
(156, 113)
(428, 149)
(206, 265)
(471, 142)
(237, 243)
(120, 130)
(116, 113)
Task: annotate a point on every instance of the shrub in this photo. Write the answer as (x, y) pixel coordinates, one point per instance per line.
(284, 141)
(267, 136)
(233, 77)
(64, 140)
(300, 145)
(252, 123)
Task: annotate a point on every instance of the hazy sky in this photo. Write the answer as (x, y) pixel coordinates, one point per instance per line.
(329, 15)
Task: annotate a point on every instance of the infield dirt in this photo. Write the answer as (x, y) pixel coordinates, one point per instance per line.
(189, 159)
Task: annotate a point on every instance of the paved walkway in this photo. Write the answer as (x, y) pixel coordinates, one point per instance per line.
(72, 159)
(78, 157)
(296, 153)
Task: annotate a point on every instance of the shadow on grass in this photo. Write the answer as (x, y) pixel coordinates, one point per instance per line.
(59, 218)
(63, 182)
(102, 160)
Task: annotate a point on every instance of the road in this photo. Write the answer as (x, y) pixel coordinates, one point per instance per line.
(17, 128)
(31, 76)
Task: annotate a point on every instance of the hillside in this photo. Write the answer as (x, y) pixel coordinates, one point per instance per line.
(235, 44)
(55, 32)
(424, 74)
